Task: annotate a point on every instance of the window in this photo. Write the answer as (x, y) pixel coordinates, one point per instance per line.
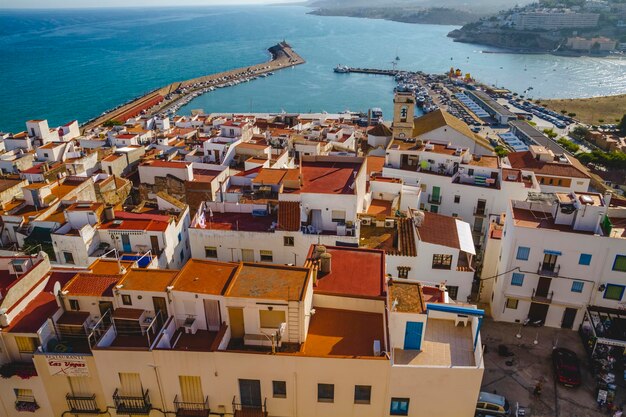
(523, 253)
(266, 256)
(403, 271)
(180, 236)
(585, 259)
(182, 255)
(512, 303)
(457, 199)
(620, 263)
(271, 319)
(339, 216)
(280, 389)
(517, 279)
(453, 291)
(362, 394)
(210, 252)
(26, 344)
(614, 292)
(25, 400)
(74, 305)
(126, 300)
(455, 215)
(442, 261)
(577, 286)
(325, 393)
(69, 258)
(288, 241)
(399, 407)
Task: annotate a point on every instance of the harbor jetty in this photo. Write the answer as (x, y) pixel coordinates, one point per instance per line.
(373, 71)
(178, 93)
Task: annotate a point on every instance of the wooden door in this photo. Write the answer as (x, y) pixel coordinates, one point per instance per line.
(235, 316)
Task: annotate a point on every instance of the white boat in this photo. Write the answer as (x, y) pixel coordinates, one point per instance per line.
(342, 69)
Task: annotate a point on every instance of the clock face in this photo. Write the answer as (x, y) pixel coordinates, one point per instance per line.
(401, 135)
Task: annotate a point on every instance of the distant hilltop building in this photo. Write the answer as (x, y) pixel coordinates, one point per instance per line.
(554, 20)
(600, 44)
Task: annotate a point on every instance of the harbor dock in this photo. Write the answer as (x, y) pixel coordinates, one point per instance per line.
(172, 95)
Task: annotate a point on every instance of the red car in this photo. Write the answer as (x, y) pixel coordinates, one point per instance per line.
(566, 367)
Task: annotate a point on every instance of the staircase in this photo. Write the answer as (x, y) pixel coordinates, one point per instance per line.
(293, 322)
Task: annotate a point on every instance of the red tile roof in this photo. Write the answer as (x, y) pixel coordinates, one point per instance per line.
(525, 160)
(92, 285)
(329, 177)
(439, 230)
(289, 216)
(354, 272)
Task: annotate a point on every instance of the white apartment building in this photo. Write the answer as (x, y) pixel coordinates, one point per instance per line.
(553, 255)
(255, 339)
(554, 20)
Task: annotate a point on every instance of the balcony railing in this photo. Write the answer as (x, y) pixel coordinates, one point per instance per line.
(480, 211)
(191, 409)
(82, 404)
(548, 270)
(434, 199)
(241, 410)
(545, 299)
(126, 404)
(26, 403)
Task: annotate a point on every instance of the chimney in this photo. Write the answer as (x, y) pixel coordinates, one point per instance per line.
(109, 214)
(319, 250)
(325, 263)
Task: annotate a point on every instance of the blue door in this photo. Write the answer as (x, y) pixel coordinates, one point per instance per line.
(413, 335)
(126, 243)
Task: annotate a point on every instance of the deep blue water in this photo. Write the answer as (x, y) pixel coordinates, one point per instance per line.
(74, 64)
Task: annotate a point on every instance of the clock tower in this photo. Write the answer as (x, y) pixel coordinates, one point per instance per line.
(403, 115)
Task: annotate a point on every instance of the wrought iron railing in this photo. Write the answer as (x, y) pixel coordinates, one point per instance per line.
(191, 409)
(82, 404)
(128, 404)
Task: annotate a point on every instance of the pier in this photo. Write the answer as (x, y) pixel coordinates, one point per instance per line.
(282, 56)
(373, 71)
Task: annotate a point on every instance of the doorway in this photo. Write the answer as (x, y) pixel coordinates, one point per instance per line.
(569, 316)
(250, 392)
(549, 262)
(247, 255)
(235, 317)
(160, 306)
(413, 335)
(543, 287)
(154, 243)
(212, 315)
(126, 243)
(538, 312)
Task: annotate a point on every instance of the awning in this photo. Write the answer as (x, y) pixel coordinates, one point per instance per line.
(552, 252)
(466, 241)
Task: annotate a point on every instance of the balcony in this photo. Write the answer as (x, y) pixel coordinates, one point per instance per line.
(434, 199)
(191, 409)
(82, 404)
(541, 297)
(480, 211)
(548, 270)
(26, 403)
(241, 410)
(128, 404)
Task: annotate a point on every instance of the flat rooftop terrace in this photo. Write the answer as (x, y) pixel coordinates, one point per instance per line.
(444, 345)
(238, 221)
(541, 220)
(334, 332)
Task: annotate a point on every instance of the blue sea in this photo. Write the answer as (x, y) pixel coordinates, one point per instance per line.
(75, 64)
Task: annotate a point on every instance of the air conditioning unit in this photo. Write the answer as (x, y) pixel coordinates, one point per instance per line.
(366, 221)
(389, 223)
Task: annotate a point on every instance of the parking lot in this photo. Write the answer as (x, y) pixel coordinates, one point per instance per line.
(532, 363)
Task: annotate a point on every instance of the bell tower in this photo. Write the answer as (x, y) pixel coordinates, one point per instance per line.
(403, 115)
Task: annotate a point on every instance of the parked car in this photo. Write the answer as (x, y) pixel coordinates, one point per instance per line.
(489, 404)
(566, 367)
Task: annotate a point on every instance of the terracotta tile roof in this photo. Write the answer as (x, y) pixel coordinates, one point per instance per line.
(439, 118)
(439, 230)
(92, 285)
(407, 297)
(525, 161)
(289, 216)
(380, 130)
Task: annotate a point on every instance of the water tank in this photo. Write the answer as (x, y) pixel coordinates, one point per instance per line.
(325, 262)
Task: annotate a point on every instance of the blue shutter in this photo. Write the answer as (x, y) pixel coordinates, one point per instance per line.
(523, 253)
(577, 286)
(585, 259)
(517, 279)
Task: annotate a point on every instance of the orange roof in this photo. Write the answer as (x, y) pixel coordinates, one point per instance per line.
(270, 176)
(375, 164)
(334, 332)
(92, 285)
(525, 160)
(324, 177)
(140, 279)
(156, 163)
(439, 230)
(205, 277)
